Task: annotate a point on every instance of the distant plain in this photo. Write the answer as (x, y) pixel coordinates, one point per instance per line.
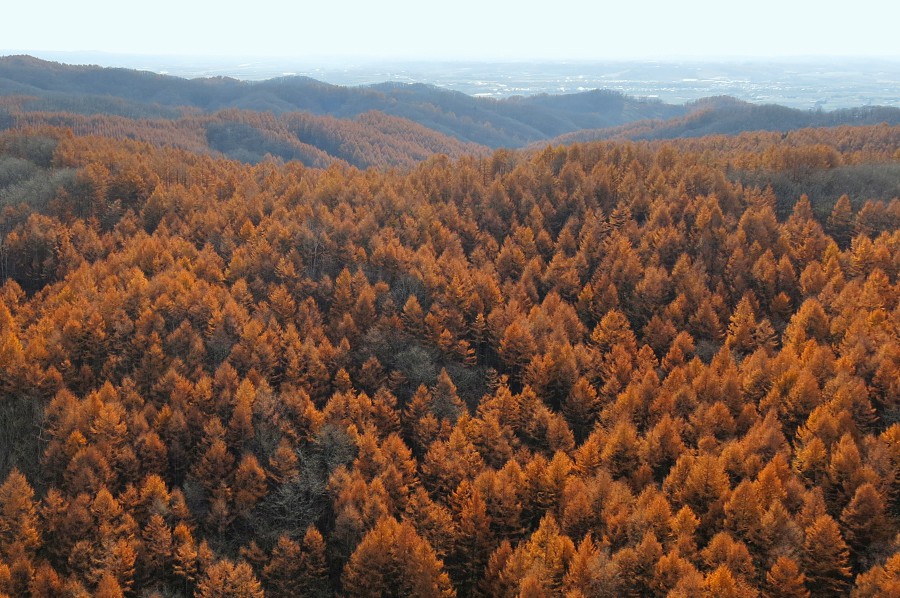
(812, 83)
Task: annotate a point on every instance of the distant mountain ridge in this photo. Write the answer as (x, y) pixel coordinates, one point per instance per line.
(383, 125)
(511, 122)
(729, 116)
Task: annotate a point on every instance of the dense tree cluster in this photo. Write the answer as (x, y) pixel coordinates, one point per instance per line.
(599, 370)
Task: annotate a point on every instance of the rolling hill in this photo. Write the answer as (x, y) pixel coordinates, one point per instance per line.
(382, 125)
(512, 122)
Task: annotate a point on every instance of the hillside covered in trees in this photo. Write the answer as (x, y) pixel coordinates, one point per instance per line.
(609, 369)
(729, 116)
(92, 90)
(384, 125)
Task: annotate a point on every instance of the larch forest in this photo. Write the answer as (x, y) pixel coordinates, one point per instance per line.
(602, 369)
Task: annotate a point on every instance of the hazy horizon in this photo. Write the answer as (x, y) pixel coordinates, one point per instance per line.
(469, 30)
(122, 59)
(817, 82)
(800, 54)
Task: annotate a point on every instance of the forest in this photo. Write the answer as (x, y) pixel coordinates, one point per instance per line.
(298, 118)
(613, 368)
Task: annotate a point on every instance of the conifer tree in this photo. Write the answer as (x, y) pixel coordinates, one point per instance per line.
(785, 580)
(392, 560)
(826, 558)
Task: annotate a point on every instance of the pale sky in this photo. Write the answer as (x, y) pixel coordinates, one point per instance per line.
(456, 29)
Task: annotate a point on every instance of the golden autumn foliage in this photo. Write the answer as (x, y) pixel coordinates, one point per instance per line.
(609, 369)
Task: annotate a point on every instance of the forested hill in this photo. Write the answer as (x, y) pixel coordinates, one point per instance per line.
(729, 116)
(384, 125)
(607, 369)
(495, 123)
